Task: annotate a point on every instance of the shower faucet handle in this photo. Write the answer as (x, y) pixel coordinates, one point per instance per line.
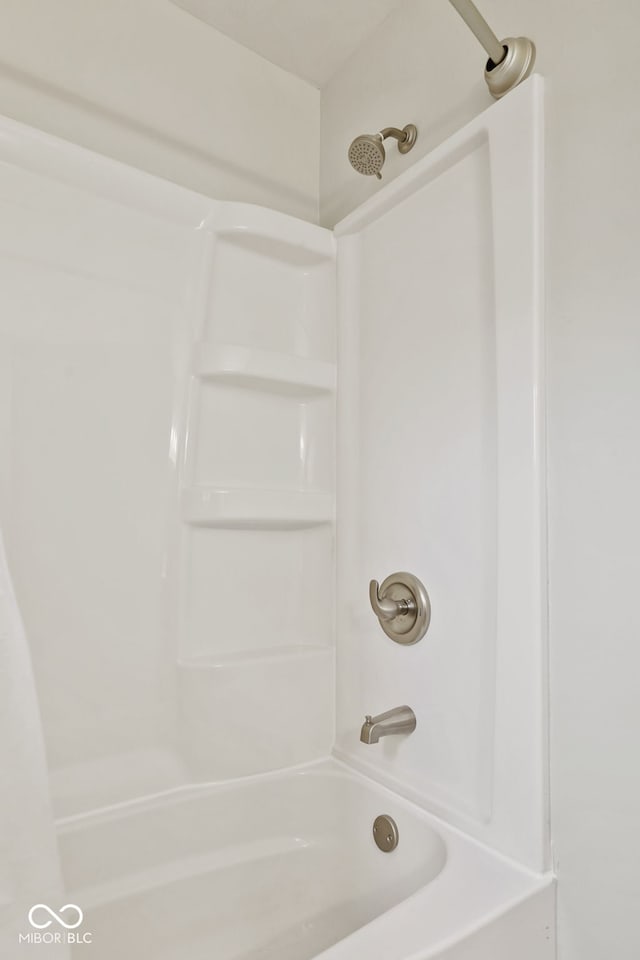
(402, 606)
(386, 608)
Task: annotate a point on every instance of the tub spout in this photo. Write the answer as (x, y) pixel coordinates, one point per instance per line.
(398, 720)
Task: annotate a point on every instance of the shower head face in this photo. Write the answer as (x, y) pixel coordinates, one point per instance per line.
(367, 156)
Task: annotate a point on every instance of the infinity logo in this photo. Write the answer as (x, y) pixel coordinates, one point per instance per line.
(55, 916)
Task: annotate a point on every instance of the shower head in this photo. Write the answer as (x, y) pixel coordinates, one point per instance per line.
(367, 154)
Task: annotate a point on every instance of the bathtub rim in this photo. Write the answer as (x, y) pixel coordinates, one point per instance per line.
(332, 767)
(510, 884)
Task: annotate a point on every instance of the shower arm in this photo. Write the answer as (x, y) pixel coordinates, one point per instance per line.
(399, 135)
(510, 60)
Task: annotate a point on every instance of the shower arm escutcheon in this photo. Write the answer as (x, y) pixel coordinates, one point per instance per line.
(401, 604)
(510, 60)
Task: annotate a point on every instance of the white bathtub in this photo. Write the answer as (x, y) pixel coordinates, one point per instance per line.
(284, 867)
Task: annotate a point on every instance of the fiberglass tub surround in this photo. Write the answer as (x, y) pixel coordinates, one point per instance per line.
(173, 371)
(441, 473)
(255, 593)
(158, 346)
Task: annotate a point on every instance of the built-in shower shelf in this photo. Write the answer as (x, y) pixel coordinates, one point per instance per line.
(214, 661)
(274, 235)
(263, 369)
(251, 509)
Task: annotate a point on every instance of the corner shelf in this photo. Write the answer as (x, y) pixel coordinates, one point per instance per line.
(248, 509)
(263, 369)
(273, 234)
(214, 661)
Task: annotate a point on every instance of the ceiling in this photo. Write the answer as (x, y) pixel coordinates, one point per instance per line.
(309, 38)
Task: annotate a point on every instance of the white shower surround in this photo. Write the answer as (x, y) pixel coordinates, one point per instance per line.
(212, 698)
(441, 471)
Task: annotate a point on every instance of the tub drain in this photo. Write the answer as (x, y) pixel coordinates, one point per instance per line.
(385, 833)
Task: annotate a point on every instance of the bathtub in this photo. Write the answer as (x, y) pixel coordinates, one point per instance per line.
(284, 867)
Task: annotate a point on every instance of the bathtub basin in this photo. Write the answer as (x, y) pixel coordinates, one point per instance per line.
(284, 867)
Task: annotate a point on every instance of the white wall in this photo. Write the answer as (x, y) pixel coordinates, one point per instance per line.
(148, 84)
(424, 67)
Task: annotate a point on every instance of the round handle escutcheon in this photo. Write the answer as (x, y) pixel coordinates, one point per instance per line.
(401, 604)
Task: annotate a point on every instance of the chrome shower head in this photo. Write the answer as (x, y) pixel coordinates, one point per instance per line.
(367, 154)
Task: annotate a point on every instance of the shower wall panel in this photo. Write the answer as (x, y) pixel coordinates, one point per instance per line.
(93, 289)
(167, 378)
(441, 473)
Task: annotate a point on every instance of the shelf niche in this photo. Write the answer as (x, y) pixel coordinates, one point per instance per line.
(265, 370)
(247, 509)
